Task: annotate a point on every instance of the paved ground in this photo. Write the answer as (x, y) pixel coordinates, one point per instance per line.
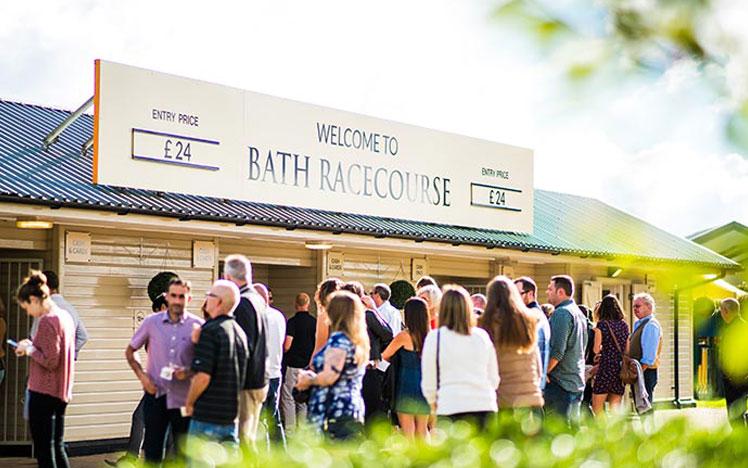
(703, 417)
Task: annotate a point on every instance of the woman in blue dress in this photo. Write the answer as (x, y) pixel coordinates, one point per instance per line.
(411, 406)
(335, 406)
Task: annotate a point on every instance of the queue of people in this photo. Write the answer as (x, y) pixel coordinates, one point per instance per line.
(448, 355)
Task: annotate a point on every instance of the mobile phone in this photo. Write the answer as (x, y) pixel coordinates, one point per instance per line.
(12, 343)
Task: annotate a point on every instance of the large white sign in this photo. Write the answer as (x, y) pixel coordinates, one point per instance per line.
(162, 132)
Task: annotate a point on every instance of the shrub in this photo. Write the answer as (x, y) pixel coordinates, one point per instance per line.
(401, 291)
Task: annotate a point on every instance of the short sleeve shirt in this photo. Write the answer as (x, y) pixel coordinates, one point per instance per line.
(222, 354)
(169, 343)
(301, 327)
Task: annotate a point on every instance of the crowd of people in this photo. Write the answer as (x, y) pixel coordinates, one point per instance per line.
(238, 371)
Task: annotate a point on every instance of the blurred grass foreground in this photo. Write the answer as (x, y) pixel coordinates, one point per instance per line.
(510, 441)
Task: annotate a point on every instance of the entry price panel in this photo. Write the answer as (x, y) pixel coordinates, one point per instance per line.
(491, 196)
(169, 148)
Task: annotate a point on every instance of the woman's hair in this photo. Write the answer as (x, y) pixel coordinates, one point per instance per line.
(417, 321)
(355, 287)
(609, 309)
(506, 319)
(346, 314)
(456, 310)
(433, 293)
(325, 288)
(33, 286)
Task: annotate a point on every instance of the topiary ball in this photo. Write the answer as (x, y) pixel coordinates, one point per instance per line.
(401, 291)
(159, 284)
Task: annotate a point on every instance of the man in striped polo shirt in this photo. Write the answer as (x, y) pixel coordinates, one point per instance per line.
(219, 365)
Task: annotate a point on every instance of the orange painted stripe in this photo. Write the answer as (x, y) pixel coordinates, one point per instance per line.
(97, 112)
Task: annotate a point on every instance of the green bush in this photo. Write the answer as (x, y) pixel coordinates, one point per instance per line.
(511, 441)
(401, 291)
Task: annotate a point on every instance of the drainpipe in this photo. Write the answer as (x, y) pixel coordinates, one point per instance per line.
(676, 320)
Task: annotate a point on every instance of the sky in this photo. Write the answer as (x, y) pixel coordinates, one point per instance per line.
(652, 148)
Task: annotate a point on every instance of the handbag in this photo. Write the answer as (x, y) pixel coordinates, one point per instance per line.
(628, 372)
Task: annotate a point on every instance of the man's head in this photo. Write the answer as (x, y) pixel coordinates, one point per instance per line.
(425, 281)
(479, 301)
(222, 299)
(178, 295)
(380, 293)
(729, 308)
(301, 303)
(53, 281)
(560, 289)
(262, 290)
(644, 305)
(354, 287)
(270, 296)
(237, 269)
(527, 289)
(159, 304)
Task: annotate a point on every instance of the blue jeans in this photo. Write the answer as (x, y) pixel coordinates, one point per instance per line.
(216, 432)
(271, 413)
(562, 403)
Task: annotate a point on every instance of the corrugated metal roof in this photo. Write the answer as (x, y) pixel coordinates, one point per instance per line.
(61, 176)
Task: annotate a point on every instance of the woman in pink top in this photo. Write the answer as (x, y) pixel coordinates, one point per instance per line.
(51, 368)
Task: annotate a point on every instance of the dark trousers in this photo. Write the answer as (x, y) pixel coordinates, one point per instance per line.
(735, 396)
(47, 422)
(562, 403)
(479, 418)
(158, 418)
(271, 417)
(371, 391)
(650, 382)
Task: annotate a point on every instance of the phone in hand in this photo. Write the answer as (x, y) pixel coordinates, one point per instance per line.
(12, 343)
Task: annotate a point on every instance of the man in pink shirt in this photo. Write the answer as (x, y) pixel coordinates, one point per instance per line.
(167, 337)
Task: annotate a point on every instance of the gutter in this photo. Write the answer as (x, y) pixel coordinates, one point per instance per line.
(677, 402)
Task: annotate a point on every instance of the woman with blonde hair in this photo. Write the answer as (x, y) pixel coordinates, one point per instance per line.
(512, 331)
(458, 363)
(433, 296)
(322, 332)
(336, 407)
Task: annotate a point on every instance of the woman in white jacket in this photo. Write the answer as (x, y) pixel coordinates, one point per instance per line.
(460, 380)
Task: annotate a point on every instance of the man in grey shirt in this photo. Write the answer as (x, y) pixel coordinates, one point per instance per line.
(563, 392)
(81, 334)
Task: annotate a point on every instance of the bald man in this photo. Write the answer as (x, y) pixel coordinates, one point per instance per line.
(276, 337)
(220, 366)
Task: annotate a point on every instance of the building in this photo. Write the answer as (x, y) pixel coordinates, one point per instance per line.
(106, 243)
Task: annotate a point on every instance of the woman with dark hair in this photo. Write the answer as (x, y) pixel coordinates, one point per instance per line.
(411, 406)
(336, 407)
(512, 331)
(611, 340)
(51, 370)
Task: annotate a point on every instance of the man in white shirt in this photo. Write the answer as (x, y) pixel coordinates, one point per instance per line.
(381, 294)
(276, 335)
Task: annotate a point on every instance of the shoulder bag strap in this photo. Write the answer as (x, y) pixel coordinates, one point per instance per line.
(610, 329)
(438, 370)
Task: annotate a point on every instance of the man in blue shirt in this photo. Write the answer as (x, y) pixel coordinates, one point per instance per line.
(563, 392)
(528, 290)
(646, 340)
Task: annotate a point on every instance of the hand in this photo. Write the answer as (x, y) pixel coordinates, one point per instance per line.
(148, 386)
(181, 373)
(24, 347)
(304, 379)
(195, 333)
(188, 410)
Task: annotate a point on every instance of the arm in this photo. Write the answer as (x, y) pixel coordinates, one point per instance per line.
(322, 333)
(560, 326)
(81, 336)
(377, 329)
(597, 345)
(397, 343)
(145, 381)
(330, 373)
(197, 386)
(428, 368)
(287, 343)
(47, 349)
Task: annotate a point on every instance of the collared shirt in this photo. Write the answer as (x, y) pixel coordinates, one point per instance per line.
(567, 345)
(169, 343)
(650, 338)
(391, 315)
(544, 339)
(276, 336)
(221, 353)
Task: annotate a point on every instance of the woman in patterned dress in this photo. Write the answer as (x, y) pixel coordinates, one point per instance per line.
(608, 386)
(335, 405)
